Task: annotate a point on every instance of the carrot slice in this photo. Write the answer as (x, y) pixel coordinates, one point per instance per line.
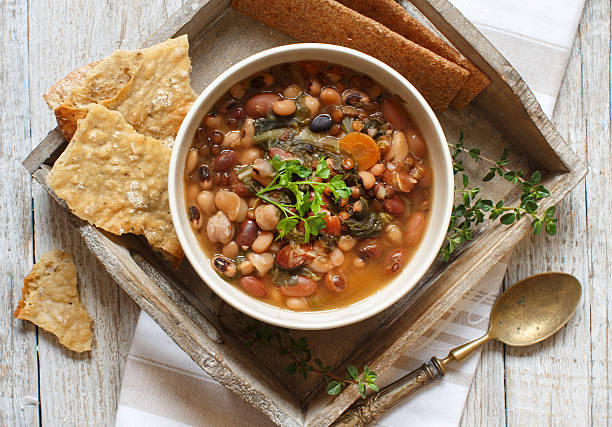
(363, 149)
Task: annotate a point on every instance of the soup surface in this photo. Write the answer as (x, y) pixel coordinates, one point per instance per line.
(308, 186)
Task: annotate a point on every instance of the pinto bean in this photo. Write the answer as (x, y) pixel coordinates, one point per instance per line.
(414, 228)
(253, 286)
(417, 145)
(304, 288)
(394, 113)
(260, 105)
(321, 264)
(296, 303)
(369, 249)
(247, 233)
(335, 280)
(399, 148)
(206, 202)
(225, 161)
(224, 266)
(219, 228)
(231, 139)
(262, 262)
(290, 257)
(394, 261)
(267, 216)
(262, 242)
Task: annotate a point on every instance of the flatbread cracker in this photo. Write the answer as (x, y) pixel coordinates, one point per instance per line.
(328, 21)
(50, 300)
(150, 87)
(396, 18)
(117, 179)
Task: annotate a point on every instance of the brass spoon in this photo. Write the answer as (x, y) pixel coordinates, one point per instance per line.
(526, 313)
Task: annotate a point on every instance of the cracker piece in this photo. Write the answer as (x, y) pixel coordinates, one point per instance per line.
(396, 18)
(50, 300)
(150, 87)
(117, 179)
(60, 91)
(328, 21)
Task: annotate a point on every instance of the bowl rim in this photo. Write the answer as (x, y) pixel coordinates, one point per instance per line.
(302, 320)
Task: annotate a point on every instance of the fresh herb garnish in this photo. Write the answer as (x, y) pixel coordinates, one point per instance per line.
(304, 209)
(303, 362)
(473, 211)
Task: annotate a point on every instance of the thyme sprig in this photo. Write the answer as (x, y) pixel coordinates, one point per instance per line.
(474, 210)
(303, 362)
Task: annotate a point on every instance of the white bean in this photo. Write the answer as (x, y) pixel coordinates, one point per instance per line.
(262, 242)
(337, 257)
(248, 131)
(267, 216)
(230, 250)
(262, 262)
(229, 203)
(206, 202)
(192, 160)
(231, 140)
(219, 228)
(297, 303)
(393, 235)
(346, 243)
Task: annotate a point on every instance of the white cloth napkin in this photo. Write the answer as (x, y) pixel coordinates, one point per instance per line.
(162, 386)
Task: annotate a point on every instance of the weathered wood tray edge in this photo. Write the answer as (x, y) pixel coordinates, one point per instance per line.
(177, 316)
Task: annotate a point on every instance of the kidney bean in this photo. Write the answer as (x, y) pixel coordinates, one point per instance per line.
(417, 145)
(369, 248)
(290, 257)
(335, 280)
(394, 261)
(225, 161)
(394, 113)
(247, 233)
(414, 228)
(260, 105)
(394, 206)
(304, 288)
(253, 286)
(332, 225)
(224, 266)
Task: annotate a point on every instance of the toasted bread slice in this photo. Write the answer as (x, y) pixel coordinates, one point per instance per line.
(395, 17)
(328, 21)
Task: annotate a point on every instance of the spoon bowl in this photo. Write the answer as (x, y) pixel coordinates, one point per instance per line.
(534, 308)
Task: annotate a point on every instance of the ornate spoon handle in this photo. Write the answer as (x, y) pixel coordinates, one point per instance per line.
(363, 412)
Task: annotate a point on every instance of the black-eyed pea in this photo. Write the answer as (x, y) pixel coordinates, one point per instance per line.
(195, 217)
(224, 266)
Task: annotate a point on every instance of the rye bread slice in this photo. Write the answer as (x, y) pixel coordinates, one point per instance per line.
(328, 21)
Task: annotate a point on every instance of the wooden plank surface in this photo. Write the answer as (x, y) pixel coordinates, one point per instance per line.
(564, 382)
(18, 366)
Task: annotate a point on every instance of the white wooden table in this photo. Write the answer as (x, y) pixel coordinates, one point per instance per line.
(564, 381)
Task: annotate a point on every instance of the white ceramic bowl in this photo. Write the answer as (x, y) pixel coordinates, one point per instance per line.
(442, 187)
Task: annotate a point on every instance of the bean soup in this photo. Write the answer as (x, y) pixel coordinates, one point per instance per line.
(307, 185)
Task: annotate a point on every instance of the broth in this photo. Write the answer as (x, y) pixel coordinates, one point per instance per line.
(307, 185)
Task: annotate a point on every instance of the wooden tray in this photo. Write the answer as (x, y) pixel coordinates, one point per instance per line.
(506, 114)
